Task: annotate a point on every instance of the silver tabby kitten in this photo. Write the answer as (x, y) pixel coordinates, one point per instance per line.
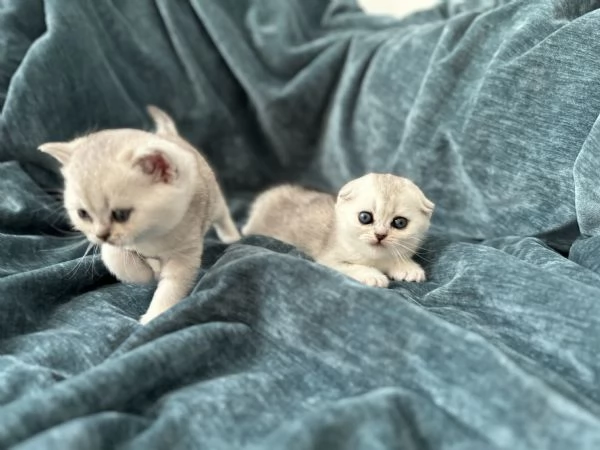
(147, 199)
(369, 233)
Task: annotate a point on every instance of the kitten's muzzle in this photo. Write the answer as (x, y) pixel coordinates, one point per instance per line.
(380, 237)
(103, 236)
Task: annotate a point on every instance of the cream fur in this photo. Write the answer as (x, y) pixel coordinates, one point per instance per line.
(330, 232)
(397, 8)
(174, 195)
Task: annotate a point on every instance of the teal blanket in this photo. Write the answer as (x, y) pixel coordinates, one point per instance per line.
(490, 106)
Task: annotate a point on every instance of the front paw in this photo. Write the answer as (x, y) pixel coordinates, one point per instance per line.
(230, 238)
(408, 272)
(127, 266)
(371, 278)
(145, 318)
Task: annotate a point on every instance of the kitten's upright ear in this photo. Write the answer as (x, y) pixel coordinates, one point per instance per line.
(61, 151)
(164, 124)
(157, 165)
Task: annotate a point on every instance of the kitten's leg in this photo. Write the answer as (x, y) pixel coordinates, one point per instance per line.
(224, 225)
(176, 278)
(125, 265)
(407, 270)
(365, 274)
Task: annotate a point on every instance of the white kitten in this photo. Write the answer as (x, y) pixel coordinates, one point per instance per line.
(373, 229)
(148, 199)
(396, 8)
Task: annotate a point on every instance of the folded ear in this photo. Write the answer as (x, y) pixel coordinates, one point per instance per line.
(348, 191)
(157, 165)
(163, 123)
(427, 205)
(61, 151)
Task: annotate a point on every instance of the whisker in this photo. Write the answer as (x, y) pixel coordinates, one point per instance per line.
(80, 261)
(95, 253)
(129, 261)
(414, 251)
(399, 255)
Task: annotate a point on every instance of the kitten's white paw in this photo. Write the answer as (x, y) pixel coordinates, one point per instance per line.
(230, 239)
(226, 229)
(372, 278)
(408, 272)
(145, 318)
(126, 266)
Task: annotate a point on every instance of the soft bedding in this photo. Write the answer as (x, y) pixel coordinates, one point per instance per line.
(490, 106)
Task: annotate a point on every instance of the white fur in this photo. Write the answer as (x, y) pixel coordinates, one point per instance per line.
(396, 8)
(331, 233)
(174, 195)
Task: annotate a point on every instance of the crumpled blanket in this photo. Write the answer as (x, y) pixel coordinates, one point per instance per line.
(491, 107)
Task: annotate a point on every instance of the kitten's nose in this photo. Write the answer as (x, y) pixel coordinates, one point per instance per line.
(103, 236)
(380, 237)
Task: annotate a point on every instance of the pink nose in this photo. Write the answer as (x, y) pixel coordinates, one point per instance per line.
(103, 236)
(380, 237)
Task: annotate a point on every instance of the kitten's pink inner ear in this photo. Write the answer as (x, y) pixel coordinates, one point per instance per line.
(158, 166)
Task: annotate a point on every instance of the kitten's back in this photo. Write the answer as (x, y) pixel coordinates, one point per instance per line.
(293, 214)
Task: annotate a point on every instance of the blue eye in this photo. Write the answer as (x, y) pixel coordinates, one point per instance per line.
(365, 217)
(121, 215)
(83, 215)
(400, 222)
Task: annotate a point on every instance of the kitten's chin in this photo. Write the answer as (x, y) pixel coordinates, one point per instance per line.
(94, 240)
(118, 243)
(377, 245)
(376, 249)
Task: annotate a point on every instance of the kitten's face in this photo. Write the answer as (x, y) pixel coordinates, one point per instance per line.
(123, 187)
(383, 215)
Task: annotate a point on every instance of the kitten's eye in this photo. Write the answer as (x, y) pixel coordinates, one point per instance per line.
(121, 215)
(83, 215)
(365, 217)
(400, 222)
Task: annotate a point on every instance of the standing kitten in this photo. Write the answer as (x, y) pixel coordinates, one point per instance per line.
(372, 230)
(148, 199)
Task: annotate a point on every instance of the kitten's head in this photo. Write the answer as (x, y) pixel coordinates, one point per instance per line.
(383, 215)
(126, 186)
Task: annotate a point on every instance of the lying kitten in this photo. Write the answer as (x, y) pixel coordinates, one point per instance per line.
(372, 230)
(147, 199)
